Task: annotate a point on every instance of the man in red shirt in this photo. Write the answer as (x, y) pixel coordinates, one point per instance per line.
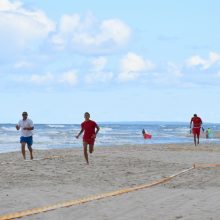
(90, 129)
(197, 123)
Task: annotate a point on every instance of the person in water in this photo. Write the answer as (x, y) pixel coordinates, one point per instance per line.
(146, 135)
(208, 133)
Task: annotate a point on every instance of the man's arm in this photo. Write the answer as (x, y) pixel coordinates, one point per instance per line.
(202, 126)
(77, 136)
(96, 132)
(29, 129)
(97, 129)
(190, 125)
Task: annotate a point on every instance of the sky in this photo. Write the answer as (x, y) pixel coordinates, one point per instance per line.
(119, 60)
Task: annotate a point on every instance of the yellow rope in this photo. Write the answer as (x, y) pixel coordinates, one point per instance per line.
(88, 199)
(199, 165)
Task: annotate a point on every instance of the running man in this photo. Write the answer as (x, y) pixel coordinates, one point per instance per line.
(26, 126)
(197, 123)
(90, 129)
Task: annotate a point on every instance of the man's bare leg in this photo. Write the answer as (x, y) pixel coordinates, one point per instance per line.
(91, 148)
(31, 152)
(23, 150)
(85, 152)
(195, 140)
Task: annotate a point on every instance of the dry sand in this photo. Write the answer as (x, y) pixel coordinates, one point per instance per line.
(193, 195)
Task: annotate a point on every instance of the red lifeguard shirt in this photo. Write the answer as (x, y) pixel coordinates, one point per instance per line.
(89, 129)
(197, 122)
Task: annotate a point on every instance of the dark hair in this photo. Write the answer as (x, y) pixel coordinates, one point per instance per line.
(195, 115)
(24, 113)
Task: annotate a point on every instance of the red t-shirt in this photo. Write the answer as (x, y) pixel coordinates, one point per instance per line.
(89, 129)
(197, 121)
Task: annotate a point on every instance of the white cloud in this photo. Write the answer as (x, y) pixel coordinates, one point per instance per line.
(98, 73)
(67, 26)
(99, 63)
(69, 77)
(7, 5)
(18, 25)
(174, 70)
(22, 64)
(113, 30)
(132, 65)
(205, 64)
(42, 79)
(170, 75)
(90, 36)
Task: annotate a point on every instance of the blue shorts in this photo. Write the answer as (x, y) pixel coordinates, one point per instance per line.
(28, 140)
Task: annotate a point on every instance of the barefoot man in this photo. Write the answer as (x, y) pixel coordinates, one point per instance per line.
(26, 126)
(197, 123)
(90, 129)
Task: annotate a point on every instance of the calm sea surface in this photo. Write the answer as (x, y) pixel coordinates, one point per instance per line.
(51, 136)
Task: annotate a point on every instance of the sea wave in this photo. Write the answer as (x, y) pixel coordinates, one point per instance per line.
(8, 128)
(51, 136)
(56, 126)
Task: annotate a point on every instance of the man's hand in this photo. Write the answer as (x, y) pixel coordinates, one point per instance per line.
(93, 136)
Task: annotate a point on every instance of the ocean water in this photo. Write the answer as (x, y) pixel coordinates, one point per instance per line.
(51, 136)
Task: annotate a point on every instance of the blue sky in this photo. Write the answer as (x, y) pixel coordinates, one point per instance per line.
(121, 61)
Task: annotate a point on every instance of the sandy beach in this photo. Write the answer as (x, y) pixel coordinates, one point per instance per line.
(38, 183)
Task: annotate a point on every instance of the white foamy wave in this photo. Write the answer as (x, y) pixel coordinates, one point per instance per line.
(39, 138)
(56, 126)
(8, 128)
(168, 129)
(51, 132)
(105, 130)
(182, 130)
(162, 126)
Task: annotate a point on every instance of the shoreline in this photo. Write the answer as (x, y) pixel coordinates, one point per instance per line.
(29, 184)
(203, 141)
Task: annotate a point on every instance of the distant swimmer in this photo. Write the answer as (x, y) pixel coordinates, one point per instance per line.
(195, 124)
(90, 129)
(26, 126)
(208, 133)
(146, 135)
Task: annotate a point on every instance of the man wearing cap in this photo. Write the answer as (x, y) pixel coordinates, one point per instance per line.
(197, 123)
(26, 126)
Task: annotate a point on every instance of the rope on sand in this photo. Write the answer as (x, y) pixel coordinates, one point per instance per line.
(199, 165)
(44, 158)
(89, 199)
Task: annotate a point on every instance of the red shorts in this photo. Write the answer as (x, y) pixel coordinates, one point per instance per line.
(196, 131)
(89, 140)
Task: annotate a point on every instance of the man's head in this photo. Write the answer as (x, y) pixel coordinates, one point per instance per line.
(86, 116)
(24, 115)
(195, 115)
